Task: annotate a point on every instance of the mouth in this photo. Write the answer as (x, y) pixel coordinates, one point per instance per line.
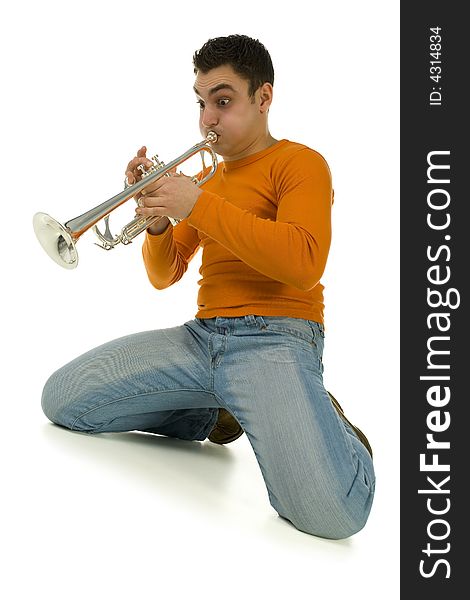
(217, 135)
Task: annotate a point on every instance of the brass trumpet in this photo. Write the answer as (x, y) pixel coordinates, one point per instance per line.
(59, 240)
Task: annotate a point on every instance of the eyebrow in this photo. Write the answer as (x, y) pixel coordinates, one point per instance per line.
(217, 88)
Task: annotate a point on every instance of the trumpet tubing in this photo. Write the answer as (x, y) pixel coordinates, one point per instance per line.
(59, 240)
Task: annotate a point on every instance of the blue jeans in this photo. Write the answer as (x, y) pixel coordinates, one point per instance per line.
(267, 371)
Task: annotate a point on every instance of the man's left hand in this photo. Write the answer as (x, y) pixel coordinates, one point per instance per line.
(172, 196)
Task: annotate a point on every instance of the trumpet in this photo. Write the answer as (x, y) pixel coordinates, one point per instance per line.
(59, 240)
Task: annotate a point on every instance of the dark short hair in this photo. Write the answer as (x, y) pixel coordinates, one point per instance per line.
(247, 57)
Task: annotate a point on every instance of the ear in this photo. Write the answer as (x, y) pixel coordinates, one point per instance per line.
(265, 97)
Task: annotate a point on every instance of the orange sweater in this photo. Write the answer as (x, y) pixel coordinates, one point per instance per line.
(264, 224)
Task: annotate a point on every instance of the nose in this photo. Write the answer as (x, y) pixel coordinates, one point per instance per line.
(209, 117)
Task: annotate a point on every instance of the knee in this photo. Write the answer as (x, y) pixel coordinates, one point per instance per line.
(335, 528)
(56, 396)
(331, 518)
(49, 398)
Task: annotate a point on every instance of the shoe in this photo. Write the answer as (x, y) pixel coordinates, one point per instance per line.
(226, 430)
(356, 430)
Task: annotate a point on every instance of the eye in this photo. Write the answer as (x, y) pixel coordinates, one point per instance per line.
(201, 104)
(223, 101)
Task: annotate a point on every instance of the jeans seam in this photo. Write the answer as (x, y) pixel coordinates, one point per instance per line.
(293, 332)
(138, 396)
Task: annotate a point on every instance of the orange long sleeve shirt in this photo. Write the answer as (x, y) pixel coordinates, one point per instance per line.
(264, 225)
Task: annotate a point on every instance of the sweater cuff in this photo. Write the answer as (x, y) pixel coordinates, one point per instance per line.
(156, 240)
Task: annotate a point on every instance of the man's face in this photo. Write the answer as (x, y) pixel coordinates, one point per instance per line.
(226, 108)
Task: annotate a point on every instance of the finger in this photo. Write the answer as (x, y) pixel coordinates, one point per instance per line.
(155, 185)
(153, 200)
(136, 161)
(151, 211)
(142, 151)
(140, 160)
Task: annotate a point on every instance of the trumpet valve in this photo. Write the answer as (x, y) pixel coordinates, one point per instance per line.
(156, 161)
(157, 164)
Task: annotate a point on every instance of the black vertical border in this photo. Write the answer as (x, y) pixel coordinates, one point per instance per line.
(426, 128)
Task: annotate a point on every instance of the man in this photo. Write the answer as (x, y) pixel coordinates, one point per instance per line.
(251, 360)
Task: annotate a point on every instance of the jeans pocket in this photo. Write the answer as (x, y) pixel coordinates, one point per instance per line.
(290, 326)
(318, 329)
(318, 332)
(293, 340)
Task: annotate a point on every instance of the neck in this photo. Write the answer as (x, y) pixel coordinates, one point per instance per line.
(257, 145)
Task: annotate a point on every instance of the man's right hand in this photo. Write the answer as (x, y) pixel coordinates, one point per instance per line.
(133, 175)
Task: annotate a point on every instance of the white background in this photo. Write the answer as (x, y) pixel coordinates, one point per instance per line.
(128, 515)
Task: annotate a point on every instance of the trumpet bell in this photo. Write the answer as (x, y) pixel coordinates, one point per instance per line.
(56, 240)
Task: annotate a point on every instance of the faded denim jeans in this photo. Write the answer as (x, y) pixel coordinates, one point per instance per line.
(267, 371)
